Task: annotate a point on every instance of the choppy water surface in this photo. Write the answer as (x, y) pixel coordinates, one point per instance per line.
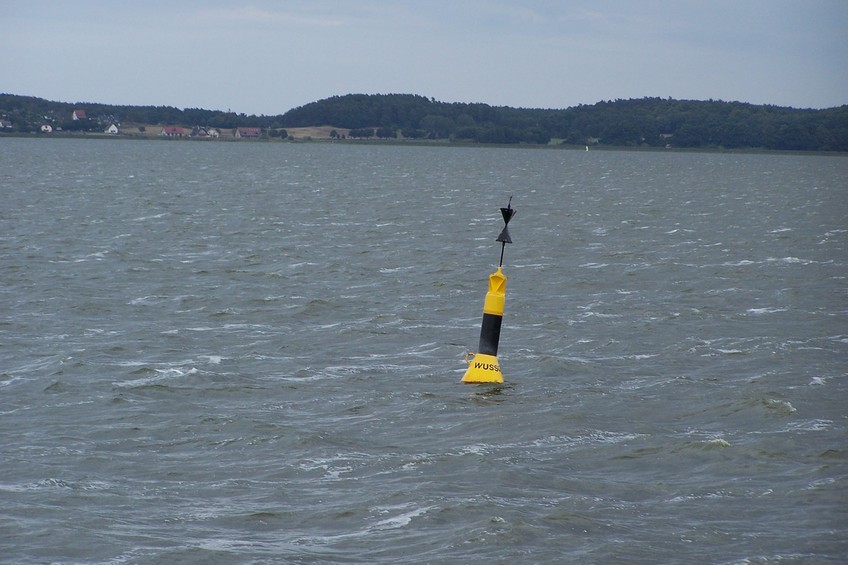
(251, 353)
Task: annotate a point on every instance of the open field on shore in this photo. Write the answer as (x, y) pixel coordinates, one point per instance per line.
(311, 132)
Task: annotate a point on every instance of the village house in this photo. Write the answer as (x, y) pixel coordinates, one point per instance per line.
(113, 129)
(248, 133)
(200, 131)
(79, 115)
(5, 124)
(46, 128)
(173, 131)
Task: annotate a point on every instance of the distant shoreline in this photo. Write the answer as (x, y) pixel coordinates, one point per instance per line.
(656, 123)
(419, 143)
(152, 131)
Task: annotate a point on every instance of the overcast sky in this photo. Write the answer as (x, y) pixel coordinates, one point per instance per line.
(268, 56)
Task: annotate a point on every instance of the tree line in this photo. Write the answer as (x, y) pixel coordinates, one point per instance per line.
(654, 122)
(651, 122)
(28, 113)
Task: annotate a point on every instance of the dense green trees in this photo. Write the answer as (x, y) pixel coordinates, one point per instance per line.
(651, 122)
(648, 122)
(27, 113)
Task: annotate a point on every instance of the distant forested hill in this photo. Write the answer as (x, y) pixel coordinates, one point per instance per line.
(636, 122)
(656, 122)
(27, 113)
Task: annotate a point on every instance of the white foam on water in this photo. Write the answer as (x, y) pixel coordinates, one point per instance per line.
(771, 310)
(162, 375)
(400, 520)
(815, 425)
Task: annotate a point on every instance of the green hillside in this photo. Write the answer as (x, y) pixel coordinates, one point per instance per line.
(651, 122)
(638, 122)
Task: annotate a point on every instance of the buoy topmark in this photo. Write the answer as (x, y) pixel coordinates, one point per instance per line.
(483, 366)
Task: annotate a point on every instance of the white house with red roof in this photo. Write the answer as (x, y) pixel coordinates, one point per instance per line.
(248, 133)
(173, 131)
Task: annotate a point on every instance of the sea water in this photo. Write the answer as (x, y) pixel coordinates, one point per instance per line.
(252, 352)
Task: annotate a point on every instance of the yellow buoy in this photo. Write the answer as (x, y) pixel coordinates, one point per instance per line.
(483, 366)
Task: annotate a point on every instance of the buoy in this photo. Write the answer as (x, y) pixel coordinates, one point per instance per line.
(483, 366)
